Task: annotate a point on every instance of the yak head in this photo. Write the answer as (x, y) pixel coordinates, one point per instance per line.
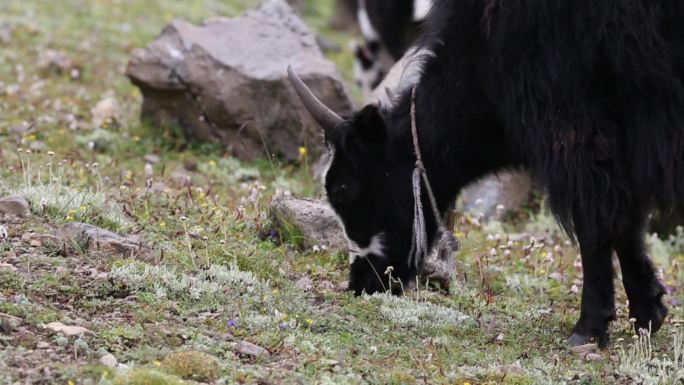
(369, 188)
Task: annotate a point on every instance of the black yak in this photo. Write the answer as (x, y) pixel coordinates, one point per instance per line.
(586, 94)
(389, 28)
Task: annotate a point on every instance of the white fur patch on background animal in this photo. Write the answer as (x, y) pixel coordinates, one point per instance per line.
(375, 247)
(420, 9)
(365, 78)
(365, 23)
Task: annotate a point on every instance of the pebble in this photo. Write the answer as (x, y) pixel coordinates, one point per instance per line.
(151, 158)
(304, 283)
(249, 349)
(14, 205)
(593, 357)
(109, 361)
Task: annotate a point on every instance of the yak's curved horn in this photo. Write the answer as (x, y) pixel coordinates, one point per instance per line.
(326, 117)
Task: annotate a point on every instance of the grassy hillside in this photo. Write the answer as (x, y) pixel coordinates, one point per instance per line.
(215, 302)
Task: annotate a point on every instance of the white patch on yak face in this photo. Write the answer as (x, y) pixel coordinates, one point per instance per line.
(420, 9)
(328, 163)
(365, 23)
(375, 247)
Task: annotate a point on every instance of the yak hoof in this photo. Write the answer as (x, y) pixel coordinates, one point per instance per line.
(654, 319)
(577, 339)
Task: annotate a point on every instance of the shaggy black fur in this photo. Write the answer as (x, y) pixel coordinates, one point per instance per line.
(586, 94)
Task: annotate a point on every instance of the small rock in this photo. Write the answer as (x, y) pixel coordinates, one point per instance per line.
(106, 112)
(37, 240)
(37, 146)
(190, 165)
(304, 283)
(158, 187)
(326, 285)
(249, 349)
(148, 169)
(14, 205)
(21, 129)
(57, 61)
(584, 350)
(7, 266)
(593, 357)
(68, 331)
(6, 32)
(152, 158)
(102, 240)
(109, 361)
(42, 345)
(181, 178)
(328, 362)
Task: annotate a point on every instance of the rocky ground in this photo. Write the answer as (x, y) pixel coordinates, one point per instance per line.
(131, 256)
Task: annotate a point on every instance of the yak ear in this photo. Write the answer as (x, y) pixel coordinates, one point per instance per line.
(369, 125)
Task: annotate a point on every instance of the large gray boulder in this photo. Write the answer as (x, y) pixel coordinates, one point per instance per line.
(225, 81)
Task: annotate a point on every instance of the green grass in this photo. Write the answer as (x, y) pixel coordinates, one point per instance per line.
(211, 280)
